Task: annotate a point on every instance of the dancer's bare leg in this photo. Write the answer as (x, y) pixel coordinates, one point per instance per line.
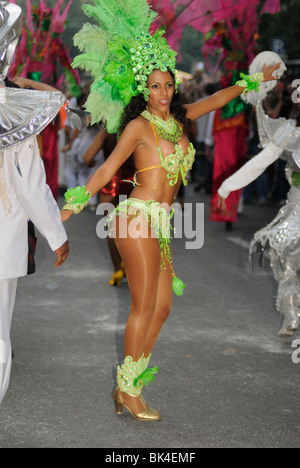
(142, 262)
(142, 259)
(162, 309)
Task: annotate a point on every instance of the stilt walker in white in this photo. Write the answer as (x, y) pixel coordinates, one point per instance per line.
(24, 194)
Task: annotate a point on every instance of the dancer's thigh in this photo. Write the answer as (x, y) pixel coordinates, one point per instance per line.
(142, 258)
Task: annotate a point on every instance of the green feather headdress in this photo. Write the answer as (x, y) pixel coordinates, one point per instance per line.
(120, 54)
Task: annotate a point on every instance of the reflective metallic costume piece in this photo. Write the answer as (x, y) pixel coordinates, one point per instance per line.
(24, 113)
(282, 235)
(10, 31)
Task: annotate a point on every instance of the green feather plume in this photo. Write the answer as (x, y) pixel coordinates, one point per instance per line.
(77, 195)
(90, 38)
(103, 49)
(147, 376)
(102, 108)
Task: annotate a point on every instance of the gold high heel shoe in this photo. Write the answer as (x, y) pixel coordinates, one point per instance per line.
(117, 278)
(148, 415)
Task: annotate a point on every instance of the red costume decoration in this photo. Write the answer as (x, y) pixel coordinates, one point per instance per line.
(230, 152)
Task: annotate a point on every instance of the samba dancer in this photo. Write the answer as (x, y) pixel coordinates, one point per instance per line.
(136, 93)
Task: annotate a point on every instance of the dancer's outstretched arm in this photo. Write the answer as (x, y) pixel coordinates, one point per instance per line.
(248, 173)
(223, 97)
(128, 142)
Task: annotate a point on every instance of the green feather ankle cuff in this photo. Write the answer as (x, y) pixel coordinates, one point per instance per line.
(132, 376)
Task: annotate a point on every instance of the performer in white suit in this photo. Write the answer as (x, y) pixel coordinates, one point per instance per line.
(24, 194)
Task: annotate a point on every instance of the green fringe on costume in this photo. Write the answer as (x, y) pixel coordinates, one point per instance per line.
(158, 219)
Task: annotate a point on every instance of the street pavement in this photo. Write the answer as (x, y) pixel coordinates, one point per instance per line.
(226, 380)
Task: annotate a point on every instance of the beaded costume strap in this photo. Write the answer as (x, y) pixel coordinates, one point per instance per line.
(157, 166)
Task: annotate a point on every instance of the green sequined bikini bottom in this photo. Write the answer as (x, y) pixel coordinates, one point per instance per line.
(157, 217)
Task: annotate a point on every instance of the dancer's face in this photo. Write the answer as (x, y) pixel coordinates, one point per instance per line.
(161, 87)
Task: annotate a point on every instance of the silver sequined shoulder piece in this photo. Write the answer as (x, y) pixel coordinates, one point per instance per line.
(24, 113)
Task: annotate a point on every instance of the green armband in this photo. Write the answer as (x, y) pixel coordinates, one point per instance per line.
(250, 83)
(77, 199)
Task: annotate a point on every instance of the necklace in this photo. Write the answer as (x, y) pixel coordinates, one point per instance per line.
(166, 129)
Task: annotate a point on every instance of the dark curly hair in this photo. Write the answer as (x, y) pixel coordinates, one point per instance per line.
(138, 104)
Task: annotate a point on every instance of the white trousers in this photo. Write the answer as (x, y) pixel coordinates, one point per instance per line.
(8, 290)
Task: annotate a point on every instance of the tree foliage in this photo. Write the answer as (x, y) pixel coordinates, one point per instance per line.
(284, 25)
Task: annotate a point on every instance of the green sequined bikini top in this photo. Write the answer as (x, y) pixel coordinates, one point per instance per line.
(176, 163)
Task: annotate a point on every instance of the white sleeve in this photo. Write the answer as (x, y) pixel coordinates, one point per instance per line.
(34, 195)
(251, 170)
